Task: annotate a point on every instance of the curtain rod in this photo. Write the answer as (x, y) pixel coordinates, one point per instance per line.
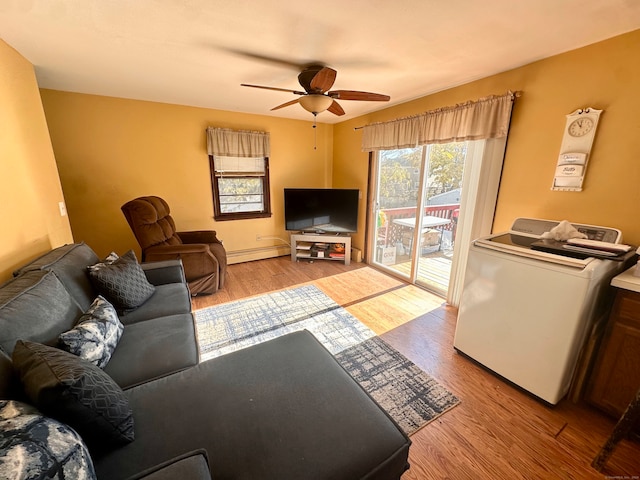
(514, 95)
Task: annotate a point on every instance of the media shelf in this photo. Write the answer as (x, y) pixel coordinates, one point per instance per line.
(304, 245)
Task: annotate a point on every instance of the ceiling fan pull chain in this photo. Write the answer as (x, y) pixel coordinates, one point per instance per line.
(315, 132)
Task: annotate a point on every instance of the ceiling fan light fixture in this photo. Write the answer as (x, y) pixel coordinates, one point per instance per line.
(315, 103)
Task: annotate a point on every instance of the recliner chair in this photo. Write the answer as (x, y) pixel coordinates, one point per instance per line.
(203, 255)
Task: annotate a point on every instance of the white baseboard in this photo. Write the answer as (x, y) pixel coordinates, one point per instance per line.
(261, 253)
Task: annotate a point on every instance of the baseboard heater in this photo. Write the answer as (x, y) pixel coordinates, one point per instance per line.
(260, 253)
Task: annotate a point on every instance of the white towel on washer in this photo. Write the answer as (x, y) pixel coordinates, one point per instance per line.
(563, 231)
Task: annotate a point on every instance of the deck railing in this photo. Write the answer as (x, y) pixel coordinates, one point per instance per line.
(389, 233)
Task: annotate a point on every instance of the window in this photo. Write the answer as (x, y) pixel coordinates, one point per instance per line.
(240, 187)
(239, 162)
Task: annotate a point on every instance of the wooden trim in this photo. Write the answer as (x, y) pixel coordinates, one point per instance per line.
(215, 192)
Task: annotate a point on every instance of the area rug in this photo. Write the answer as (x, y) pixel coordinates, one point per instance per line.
(410, 395)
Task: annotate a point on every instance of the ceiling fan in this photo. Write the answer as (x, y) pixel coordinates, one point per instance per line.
(317, 79)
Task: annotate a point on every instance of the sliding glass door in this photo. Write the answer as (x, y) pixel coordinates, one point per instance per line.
(441, 206)
(398, 180)
(423, 215)
(418, 247)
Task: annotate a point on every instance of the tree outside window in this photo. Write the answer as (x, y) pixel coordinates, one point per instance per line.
(400, 172)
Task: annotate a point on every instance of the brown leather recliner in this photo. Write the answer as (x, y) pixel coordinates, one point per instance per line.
(203, 255)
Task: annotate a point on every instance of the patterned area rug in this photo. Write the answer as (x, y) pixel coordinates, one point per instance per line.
(408, 394)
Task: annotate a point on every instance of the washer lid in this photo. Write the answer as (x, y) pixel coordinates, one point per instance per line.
(520, 245)
(536, 227)
(526, 231)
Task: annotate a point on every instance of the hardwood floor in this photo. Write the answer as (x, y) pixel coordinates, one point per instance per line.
(497, 431)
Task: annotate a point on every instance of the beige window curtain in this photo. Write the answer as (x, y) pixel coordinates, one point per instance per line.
(237, 143)
(474, 120)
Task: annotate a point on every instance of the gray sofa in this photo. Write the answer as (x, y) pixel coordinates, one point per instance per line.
(282, 409)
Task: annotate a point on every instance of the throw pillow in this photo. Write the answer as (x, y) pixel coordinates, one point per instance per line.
(96, 334)
(9, 385)
(122, 282)
(33, 446)
(108, 260)
(75, 392)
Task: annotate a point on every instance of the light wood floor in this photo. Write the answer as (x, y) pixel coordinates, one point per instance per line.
(497, 432)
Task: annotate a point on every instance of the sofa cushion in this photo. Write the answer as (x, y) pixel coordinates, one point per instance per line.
(35, 306)
(33, 446)
(96, 334)
(69, 263)
(75, 392)
(277, 410)
(191, 466)
(154, 348)
(122, 282)
(169, 299)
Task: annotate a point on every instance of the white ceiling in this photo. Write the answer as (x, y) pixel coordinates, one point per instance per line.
(197, 52)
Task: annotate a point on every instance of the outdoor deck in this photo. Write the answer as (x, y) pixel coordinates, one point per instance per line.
(433, 271)
(434, 267)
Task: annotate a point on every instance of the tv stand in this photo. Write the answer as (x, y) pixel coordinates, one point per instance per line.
(302, 243)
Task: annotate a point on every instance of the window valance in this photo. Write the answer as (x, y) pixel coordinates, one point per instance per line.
(487, 117)
(237, 143)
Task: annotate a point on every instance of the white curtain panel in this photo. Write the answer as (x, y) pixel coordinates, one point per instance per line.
(487, 117)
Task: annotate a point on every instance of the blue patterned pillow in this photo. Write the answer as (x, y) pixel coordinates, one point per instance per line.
(96, 335)
(122, 281)
(36, 447)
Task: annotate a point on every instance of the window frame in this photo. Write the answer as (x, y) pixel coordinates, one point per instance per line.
(218, 215)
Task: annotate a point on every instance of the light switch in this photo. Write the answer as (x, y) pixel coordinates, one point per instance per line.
(63, 209)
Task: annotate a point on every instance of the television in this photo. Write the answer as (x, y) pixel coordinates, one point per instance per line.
(321, 210)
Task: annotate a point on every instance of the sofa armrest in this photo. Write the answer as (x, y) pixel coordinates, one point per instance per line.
(190, 466)
(199, 236)
(165, 271)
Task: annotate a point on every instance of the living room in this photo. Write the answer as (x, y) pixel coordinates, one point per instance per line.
(89, 154)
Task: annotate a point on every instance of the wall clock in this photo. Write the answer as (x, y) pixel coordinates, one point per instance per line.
(577, 140)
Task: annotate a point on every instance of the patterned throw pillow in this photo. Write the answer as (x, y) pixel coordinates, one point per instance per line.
(74, 391)
(96, 335)
(33, 446)
(122, 281)
(108, 260)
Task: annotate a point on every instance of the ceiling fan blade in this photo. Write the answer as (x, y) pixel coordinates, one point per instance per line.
(323, 80)
(292, 102)
(336, 109)
(297, 92)
(355, 95)
(267, 58)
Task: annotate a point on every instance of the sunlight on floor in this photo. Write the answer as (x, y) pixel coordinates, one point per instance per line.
(348, 287)
(389, 301)
(395, 308)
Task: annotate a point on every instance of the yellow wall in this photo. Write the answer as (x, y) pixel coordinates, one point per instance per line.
(111, 150)
(604, 76)
(29, 184)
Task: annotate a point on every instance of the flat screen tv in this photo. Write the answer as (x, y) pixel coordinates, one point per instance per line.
(321, 210)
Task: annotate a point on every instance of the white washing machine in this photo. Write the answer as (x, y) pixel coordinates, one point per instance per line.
(524, 313)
